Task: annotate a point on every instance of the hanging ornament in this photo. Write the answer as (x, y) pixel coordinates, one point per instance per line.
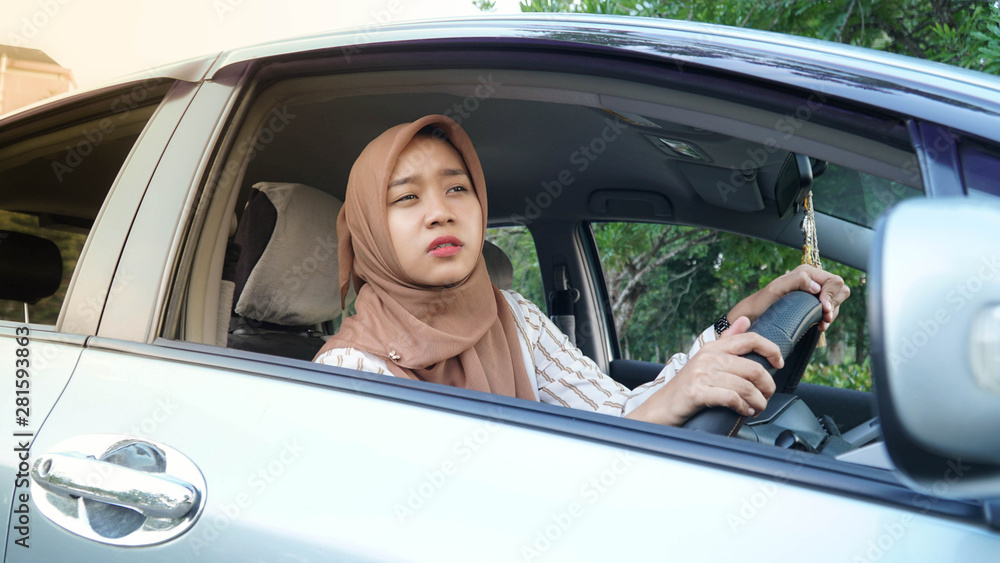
(810, 246)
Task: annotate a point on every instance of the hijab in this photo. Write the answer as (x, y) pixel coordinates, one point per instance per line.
(463, 335)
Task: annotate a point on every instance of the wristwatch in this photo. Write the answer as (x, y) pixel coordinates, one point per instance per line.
(721, 325)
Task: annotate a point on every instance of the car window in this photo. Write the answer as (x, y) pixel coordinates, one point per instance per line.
(56, 170)
(519, 246)
(856, 196)
(668, 283)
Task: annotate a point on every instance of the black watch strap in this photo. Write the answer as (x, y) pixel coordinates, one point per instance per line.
(721, 325)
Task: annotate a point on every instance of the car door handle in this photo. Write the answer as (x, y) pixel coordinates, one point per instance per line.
(155, 495)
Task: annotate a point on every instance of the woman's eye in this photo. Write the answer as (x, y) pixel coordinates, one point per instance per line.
(406, 197)
(459, 189)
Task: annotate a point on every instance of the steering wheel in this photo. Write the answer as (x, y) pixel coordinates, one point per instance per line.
(792, 323)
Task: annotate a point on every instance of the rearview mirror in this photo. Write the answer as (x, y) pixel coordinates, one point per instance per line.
(934, 307)
(793, 183)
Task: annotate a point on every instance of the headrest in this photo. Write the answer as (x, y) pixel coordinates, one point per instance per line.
(30, 267)
(499, 266)
(287, 268)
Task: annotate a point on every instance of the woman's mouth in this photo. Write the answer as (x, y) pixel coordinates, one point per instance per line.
(444, 246)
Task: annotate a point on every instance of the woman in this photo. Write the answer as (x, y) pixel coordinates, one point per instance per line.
(411, 235)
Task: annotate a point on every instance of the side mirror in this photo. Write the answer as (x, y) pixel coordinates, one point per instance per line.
(934, 308)
(793, 183)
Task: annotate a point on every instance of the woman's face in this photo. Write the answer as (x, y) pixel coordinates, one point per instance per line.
(434, 216)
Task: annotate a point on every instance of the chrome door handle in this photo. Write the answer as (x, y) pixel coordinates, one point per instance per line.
(151, 494)
(118, 489)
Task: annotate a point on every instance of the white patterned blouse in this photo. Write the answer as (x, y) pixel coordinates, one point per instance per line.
(561, 374)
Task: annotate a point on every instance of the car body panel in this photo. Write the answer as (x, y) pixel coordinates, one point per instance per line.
(52, 357)
(192, 70)
(916, 87)
(166, 208)
(93, 279)
(344, 471)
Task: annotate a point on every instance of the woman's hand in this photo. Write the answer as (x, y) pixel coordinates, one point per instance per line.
(716, 376)
(828, 287)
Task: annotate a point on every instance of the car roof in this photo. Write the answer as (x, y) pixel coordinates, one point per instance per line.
(919, 87)
(788, 59)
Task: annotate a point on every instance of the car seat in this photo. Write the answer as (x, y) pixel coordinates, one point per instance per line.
(283, 262)
(31, 268)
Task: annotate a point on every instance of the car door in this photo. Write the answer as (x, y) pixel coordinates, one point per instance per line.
(214, 454)
(60, 160)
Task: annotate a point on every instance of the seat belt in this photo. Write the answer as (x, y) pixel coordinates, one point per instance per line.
(561, 303)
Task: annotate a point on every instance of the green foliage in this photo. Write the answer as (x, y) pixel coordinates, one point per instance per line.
(971, 41)
(485, 5)
(517, 243)
(964, 33)
(844, 376)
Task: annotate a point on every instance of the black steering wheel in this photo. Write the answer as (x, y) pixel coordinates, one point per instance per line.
(792, 323)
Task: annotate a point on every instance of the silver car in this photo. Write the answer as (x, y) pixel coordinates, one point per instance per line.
(159, 395)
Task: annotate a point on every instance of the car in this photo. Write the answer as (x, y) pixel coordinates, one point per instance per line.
(169, 265)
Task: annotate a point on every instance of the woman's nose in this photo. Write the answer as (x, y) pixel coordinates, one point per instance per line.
(439, 210)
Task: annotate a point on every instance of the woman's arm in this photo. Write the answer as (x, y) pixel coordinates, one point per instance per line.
(715, 376)
(712, 374)
(569, 378)
(830, 289)
(718, 376)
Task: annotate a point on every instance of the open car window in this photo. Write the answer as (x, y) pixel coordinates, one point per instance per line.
(668, 283)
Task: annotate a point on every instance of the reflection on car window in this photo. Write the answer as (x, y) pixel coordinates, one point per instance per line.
(668, 283)
(981, 168)
(855, 196)
(517, 243)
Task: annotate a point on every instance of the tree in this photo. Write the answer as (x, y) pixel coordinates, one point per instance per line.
(964, 32)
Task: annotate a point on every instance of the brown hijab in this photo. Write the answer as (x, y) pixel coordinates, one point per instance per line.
(462, 335)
